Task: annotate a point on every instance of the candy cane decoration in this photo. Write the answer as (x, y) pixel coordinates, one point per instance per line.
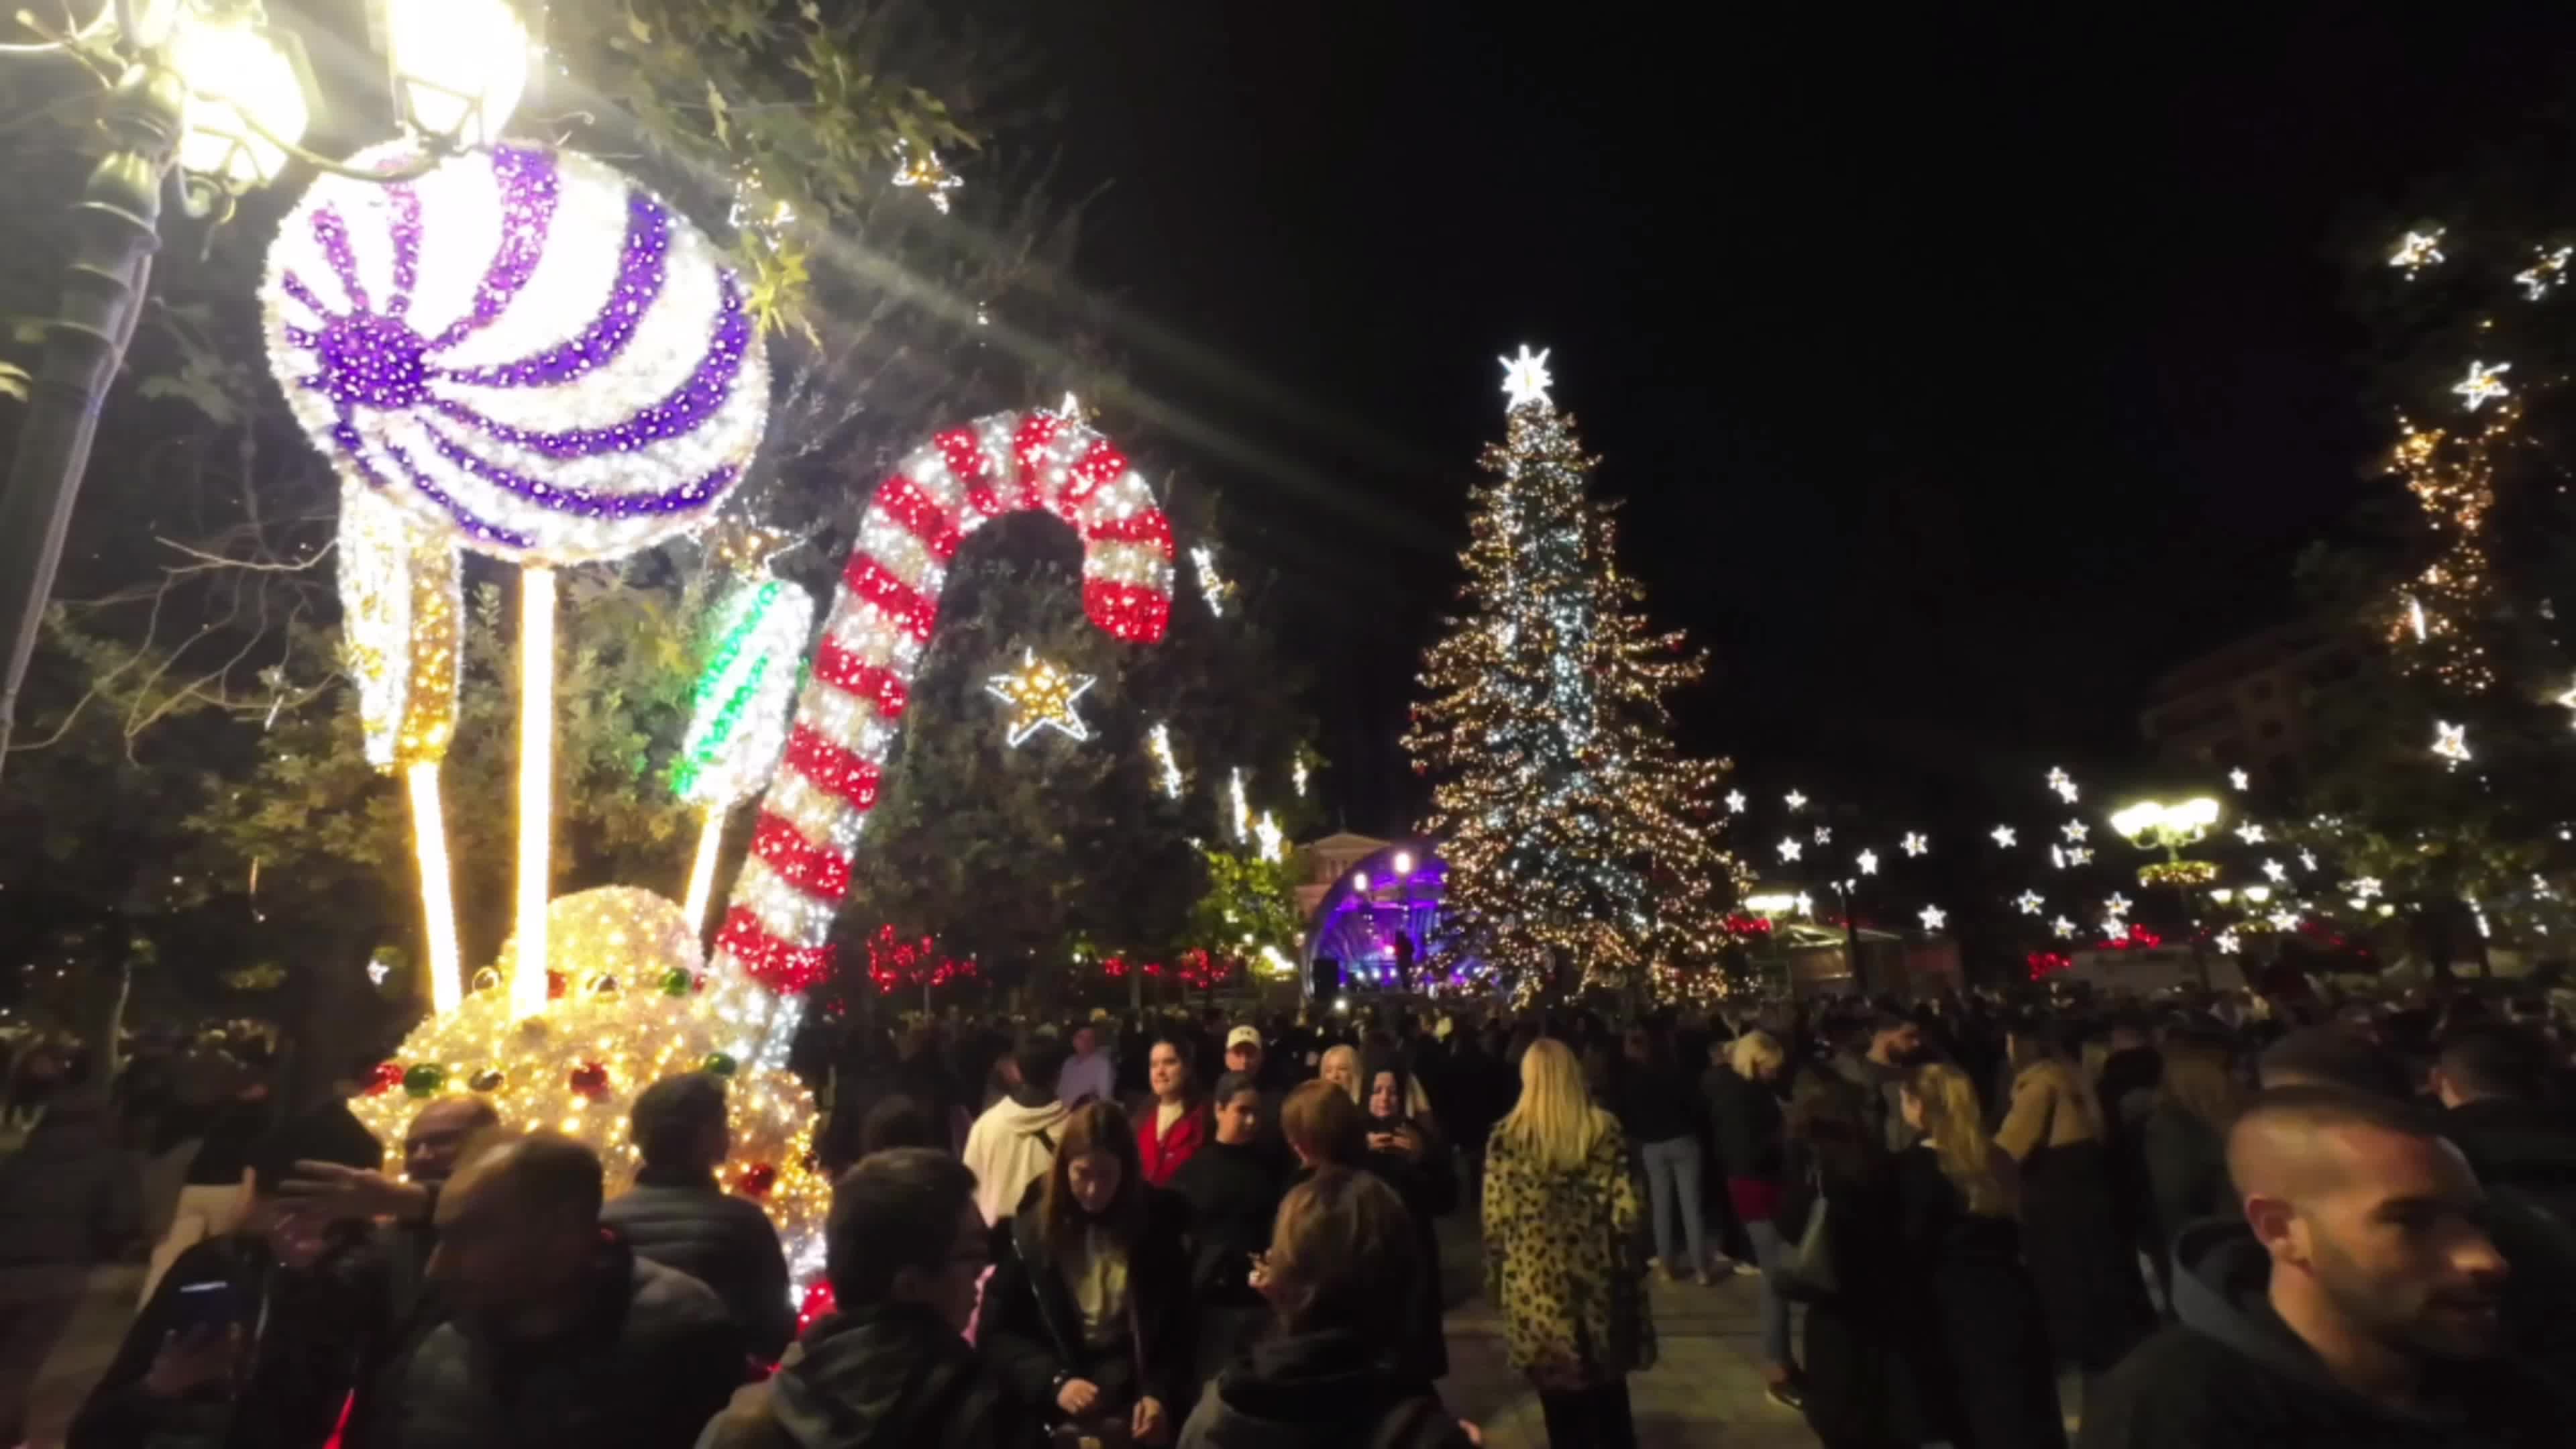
(881, 619)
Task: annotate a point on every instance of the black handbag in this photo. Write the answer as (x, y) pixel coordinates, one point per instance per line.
(1806, 1270)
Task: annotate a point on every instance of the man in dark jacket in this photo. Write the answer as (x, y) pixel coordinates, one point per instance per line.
(2490, 1079)
(889, 1369)
(677, 1216)
(559, 1335)
(1232, 1186)
(2361, 1302)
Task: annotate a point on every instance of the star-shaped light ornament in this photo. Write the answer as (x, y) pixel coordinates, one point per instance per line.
(1735, 802)
(2483, 385)
(1267, 836)
(1526, 379)
(2117, 905)
(1806, 904)
(2451, 742)
(2285, 920)
(1915, 843)
(1041, 694)
(2030, 902)
(378, 970)
(2063, 784)
(1824, 835)
(2064, 928)
(2276, 872)
(2227, 943)
(1790, 849)
(2250, 833)
(2307, 860)
(2240, 779)
(2005, 836)
(2545, 273)
(2417, 250)
(2368, 887)
(1932, 917)
(2079, 855)
(925, 173)
(1867, 860)
(1797, 802)
(2075, 831)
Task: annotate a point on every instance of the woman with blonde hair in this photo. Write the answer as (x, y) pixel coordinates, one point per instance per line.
(1987, 1378)
(1560, 1213)
(1743, 1091)
(2072, 1231)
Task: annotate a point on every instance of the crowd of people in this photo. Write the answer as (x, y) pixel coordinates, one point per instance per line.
(2194, 1222)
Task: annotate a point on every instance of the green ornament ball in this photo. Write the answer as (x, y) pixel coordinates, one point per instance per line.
(718, 1064)
(424, 1080)
(675, 982)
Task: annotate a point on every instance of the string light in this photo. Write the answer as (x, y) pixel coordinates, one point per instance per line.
(402, 603)
(2541, 275)
(1158, 747)
(2452, 479)
(1241, 805)
(446, 965)
(536, 782)
(1268, 837)
(1297, 774)
(925, 173)
(2416, 251)
(1212, 585)
(2483, 385)
(1041, 694)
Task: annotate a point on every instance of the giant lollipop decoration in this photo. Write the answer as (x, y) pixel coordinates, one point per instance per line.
(883, 615)
(531, 356)
(740, 721)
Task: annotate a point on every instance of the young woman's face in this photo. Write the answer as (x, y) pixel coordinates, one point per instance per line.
(1386, 1097)
(1339, 1071)
(1167, 1072)
(1094, 1179)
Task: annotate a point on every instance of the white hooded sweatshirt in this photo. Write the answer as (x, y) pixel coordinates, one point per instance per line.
(1008, 1148)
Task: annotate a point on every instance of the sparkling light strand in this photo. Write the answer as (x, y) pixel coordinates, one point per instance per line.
(446, 965)
(536, 782)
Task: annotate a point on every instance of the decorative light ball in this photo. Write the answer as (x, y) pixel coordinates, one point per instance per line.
(610, 935)
(603, 985)
(526, 350)
(758, 1179)
(487, 979)
(819, 1304)
(487, 1080)
(718, 1064)
(590, 1079)
(424, 1080)
(388, 1076)
(676, 981)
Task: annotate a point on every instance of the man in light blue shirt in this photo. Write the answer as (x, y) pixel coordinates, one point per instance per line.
(1088, 1074)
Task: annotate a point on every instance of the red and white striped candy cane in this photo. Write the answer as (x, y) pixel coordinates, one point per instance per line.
(881, 620)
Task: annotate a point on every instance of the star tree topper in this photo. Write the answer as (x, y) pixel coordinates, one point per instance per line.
(1041, 694)
(1526, 379)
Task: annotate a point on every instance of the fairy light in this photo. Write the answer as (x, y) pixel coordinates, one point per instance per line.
(2452, 479)
(2031, 902)
(1041, 694)
(1916, 843)
(536, 782)
(1526, 379)
(1297, 773)
(1932, 917)
(2451, 743)
(2483, 385)
(2537, 279)
(1158, 745)
(1212, 585)
(926, 173)
(2005, 837)
(402, 605)
(1241, 807)
(702, 868)
(2416, 251)
(437, 895)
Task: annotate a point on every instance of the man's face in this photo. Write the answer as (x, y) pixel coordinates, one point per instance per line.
(1085, 1041)
(961, 1276)
(436, 1136)
(1244, 1057)
(494, 1254)
(1238, 1119)
(1165, 1071)
(2397, 1248)
(1898, 1045)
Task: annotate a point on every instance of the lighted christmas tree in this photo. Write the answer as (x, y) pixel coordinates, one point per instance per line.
(1579, 838)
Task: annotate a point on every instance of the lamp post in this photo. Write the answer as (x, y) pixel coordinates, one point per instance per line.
(2152, 824)
(208, 92)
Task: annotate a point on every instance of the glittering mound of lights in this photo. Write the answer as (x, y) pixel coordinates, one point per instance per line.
(633, 1006)
(528, 352)
(881, 620)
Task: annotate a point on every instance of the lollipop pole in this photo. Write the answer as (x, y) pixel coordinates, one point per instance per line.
(536, 782)
(437, 902)
(702, 871)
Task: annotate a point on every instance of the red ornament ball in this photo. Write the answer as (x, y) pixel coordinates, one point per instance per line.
(388, 1075)
(758, 1179)
(556, 985)
(819, 1304)
(590, 1079)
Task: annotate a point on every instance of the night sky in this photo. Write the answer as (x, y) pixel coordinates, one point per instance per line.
(1961, 373)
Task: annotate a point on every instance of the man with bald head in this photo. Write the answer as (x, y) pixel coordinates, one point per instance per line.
(2358, 1302)
(558, 1334)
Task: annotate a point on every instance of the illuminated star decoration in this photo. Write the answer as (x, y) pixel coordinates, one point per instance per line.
(2416, 251)
(2307, 860)
(378, 970)
(1867, 860)
(1158, 744)
(2544, 273)
(2079, 855)
(1806, 904)
(2285, 920)
(2483, 385)
(1735, 802)
(2064, 928)
(1915, 843)
(2075, 831)
(2239, 779)
(2030, 902)
(2117, 905)
(2250, 833)
(2368, 887)
(1797, 802)
(2063, 784)
(1212, 585)
(1526, 379)
(925, 173)
(2275, 871)
(1267, 835)
(1824, 835)
(1041, 694)
(2451, 742)
(2005, 836)
(2227, 943)
(1932, 917)
(1789, 848)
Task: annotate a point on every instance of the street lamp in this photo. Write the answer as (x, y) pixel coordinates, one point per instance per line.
(206, 91)
(2152, 824)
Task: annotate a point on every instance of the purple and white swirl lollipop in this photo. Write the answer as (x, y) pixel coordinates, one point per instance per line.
(522, 348)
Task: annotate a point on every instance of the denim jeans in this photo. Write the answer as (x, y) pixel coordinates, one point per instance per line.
(1775, 1309)
(1672, 1170)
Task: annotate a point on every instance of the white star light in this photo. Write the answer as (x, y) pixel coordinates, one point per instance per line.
(1266, 832)
(2239, 779)
(1916, 843)
(2416, 251)
(2063, 784)
(378, 970)
(2079, 855)
(2544, 274)
(2030, 902)
(1526, 379)
(1041, 694)
(1932, 917)
(2483, 385)
(1867, 860)
(1806, 904)
(2117, 905)
(2368, 887)
(1734, 802)
(2114, 928)
(2004, 836)
(2307, 860)
(2250, 833)
(2451, 742)
(1824, 835)
(2064, 928)
(2227, 943)
(2276, 871)
(2075, 831)
(1797, 802)
(2284, 920)
(1789, 848)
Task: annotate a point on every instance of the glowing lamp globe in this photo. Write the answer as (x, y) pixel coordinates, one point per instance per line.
(459, 65)
(521, 348)
(245, 96)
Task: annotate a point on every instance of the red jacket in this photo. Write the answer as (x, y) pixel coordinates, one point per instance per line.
(1164, 1155)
